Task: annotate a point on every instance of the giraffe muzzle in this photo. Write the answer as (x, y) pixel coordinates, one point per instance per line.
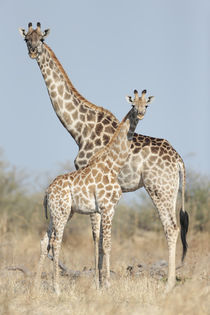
(140, 116)
(33, 55)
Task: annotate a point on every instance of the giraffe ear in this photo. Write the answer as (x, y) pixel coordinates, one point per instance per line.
(150, 99)
(22, 32)
(129, 99)
(46, 33)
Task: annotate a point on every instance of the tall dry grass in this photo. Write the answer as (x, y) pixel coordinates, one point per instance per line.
(137, 240)
(141, 293)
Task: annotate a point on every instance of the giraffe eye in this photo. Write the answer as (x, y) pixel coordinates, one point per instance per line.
(42, 40)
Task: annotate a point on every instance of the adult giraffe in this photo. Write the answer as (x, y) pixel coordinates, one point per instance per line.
(153, 163)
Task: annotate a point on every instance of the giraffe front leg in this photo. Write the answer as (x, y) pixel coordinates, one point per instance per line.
(106, 224)
(59, 224)
(95, 223)
(56, 245)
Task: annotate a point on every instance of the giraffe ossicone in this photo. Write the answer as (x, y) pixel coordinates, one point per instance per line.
(92, 189)
(152, 163)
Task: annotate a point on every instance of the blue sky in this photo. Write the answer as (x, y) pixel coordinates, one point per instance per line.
(108, 48)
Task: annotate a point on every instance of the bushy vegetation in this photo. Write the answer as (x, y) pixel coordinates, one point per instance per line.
(21, 209)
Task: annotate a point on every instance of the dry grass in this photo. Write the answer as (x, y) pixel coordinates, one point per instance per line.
(138, 294)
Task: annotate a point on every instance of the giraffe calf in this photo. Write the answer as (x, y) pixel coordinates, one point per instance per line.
(92, 189)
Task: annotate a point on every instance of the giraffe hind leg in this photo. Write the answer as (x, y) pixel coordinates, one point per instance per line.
(44, 249)
(165, 203)
(59, 224)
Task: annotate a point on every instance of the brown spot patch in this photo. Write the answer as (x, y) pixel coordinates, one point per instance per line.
(84, 162)
(94, 172)
(167, 157)
(109, 187)
(154, 149)
(88, 146)
(87, 180)
(89, 154)
(48, 71)
(100, 116)
(114, 124)
(161, 151)
(91, 188)
(60, 102)
(83, 109)
(81, 154)
(67, 118)
(67, 96)
(53, 94)
(75, 115)
(78, 126)
(109, 129)
(106, 139)
(98, 177)
(75, 101)
(91, 115)
(55, 105)
(101, 193)
(99, 129)
(65, 184)
(105, 179)
(60, 89)
(98, 142)
(108, 195)
(85, 131)
(69, 106)
(93, 135)
(136, 150)
(48, 82)
(55, 77)
(109, 163)
(82, 117)
(105, 121)
(123, 146)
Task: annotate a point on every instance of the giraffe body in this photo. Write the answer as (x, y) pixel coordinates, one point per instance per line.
(152, 163)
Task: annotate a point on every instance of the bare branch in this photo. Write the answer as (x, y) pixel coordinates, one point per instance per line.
(23, 269)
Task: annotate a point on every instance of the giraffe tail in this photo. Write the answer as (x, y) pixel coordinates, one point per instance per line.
(45, 203)
(183, 215)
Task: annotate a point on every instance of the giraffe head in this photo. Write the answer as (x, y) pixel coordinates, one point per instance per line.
(140, 103)
(34, 39)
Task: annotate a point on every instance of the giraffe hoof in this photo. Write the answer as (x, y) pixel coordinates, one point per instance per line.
(107, 284)
(169, 287)
(57, 290)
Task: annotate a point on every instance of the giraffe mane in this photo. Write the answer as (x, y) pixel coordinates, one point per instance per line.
(79, 96)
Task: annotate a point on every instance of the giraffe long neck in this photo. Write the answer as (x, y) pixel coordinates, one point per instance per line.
(115, 154)
(76, 114)
(60, 89)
